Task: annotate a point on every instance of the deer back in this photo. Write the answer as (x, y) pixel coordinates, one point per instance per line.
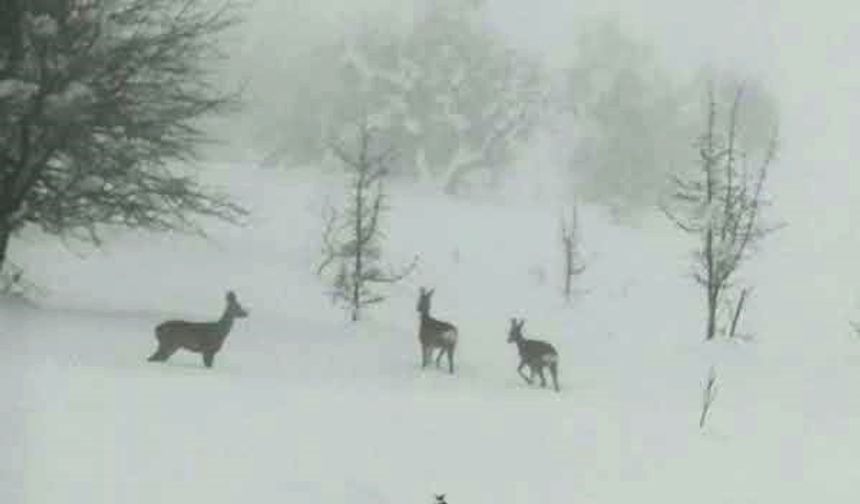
(435, 332)
(537, 351)
(196, 336)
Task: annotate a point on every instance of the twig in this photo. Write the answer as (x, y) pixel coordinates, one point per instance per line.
(709, 395)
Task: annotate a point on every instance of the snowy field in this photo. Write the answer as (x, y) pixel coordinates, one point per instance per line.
(304, 407)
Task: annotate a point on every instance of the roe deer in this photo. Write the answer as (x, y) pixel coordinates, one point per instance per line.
(534, 354)
(205, 338)
(434, 333)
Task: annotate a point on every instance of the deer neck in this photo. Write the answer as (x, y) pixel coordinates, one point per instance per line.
(426, 318)
(521, 344)
(225, 323)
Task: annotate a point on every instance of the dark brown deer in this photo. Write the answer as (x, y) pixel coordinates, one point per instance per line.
(205, 338)
(433, 334)
(535, 354)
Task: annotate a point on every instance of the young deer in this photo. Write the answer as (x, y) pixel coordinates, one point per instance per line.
(534, 354)
(434, 333)
(205, 338)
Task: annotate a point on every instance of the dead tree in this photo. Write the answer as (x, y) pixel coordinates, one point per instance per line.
(721, 204)
(570, 241)
(351, 237)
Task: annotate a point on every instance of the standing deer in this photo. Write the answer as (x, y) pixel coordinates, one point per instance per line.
(535, 354)
(433, 334)
(205, 338)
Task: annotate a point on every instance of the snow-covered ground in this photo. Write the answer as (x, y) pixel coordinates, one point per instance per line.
(304, 407)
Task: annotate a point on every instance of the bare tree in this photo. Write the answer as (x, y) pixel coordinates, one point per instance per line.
(351, 238)
(570, 241)
(98, 100)
(709, 395)
(721, 203)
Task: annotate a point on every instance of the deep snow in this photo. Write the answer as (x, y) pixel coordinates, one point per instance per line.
(303, 406)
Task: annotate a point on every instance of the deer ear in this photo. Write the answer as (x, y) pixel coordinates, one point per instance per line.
(231, 296)
(430, 292)
(522, 323)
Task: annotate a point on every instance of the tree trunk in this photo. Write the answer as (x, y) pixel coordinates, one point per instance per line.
(712, 313)
(712, 323)
(568, 267)
(5, 235)
(358, 277)
(11, 39)
(712, 287)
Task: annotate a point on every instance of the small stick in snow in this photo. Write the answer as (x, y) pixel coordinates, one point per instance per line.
(708, 396)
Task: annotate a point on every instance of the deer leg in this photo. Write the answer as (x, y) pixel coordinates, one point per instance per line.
(439, 357)
(165, 350)
(424, 355)
(451, 360)
(158, 356)
(520, 371)
(542, 377)
(553, 370)
(208, 358)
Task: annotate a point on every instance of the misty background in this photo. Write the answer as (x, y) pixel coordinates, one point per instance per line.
(797, 54)
(801, 53)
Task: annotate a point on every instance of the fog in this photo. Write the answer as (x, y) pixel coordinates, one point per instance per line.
(801, 51)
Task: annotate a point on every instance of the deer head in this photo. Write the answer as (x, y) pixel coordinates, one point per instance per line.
(515, 333)
(234, 309)
(424, 297)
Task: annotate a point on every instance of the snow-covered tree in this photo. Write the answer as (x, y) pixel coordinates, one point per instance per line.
(352, 251)
(451, 95)
(630, 122)
(97, 99)
(720, 202)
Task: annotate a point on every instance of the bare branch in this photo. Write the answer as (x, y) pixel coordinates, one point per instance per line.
(738, 309)
(330, 253)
